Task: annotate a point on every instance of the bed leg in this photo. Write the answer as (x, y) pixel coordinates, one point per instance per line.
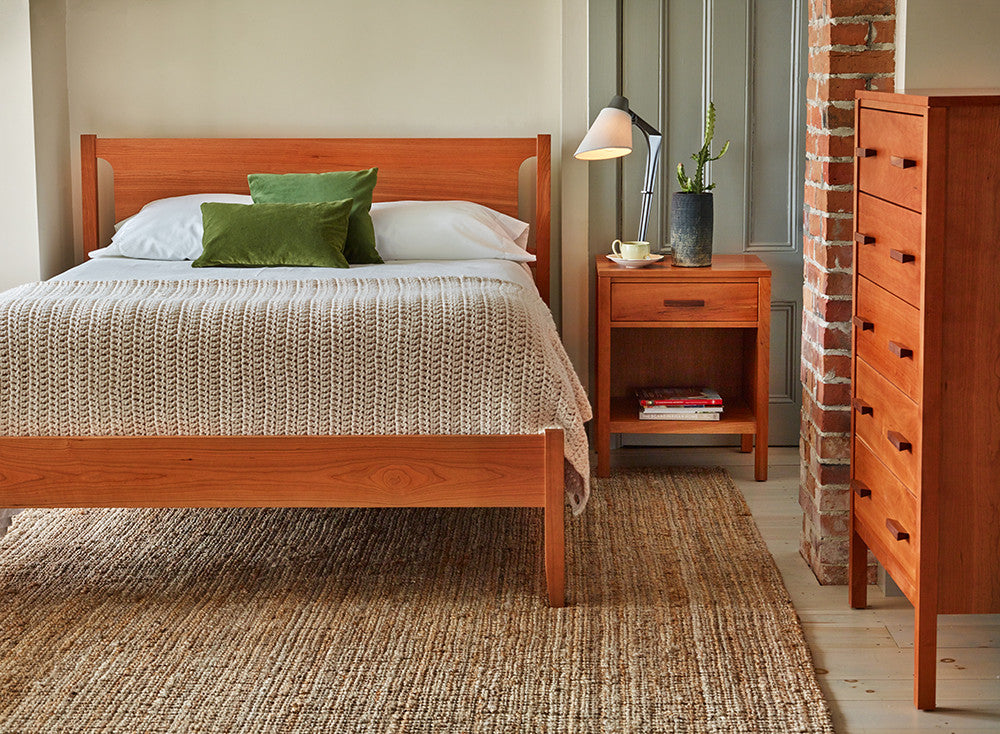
(555, 544)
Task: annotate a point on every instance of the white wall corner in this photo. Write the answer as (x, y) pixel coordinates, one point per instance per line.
(574, 184)
(18, 206)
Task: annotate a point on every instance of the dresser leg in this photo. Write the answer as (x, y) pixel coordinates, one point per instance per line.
(857, 569)
(925, 658)
(746, 443)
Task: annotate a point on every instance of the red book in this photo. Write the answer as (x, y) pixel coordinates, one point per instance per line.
(678, 396)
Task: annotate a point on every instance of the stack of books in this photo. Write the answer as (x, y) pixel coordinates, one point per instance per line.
(679, 404)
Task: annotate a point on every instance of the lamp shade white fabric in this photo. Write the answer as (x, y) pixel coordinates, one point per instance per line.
(609, 137)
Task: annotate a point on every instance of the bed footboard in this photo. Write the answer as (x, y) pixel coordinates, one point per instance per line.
(294, 471)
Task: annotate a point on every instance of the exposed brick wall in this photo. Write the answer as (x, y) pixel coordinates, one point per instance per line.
(851, 46)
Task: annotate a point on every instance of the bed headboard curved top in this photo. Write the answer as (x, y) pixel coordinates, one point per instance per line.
(483, 170)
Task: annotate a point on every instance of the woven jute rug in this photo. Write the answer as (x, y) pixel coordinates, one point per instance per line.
(413, 620)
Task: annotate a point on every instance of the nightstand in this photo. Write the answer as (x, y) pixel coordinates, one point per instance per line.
(664, 326)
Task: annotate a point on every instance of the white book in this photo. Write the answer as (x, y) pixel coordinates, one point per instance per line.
(682, 409)
(657, 416)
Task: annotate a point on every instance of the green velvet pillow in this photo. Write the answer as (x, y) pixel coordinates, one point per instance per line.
(297, 188)
(248, 235)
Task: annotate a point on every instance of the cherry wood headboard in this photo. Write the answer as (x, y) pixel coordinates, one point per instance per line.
(484, 170)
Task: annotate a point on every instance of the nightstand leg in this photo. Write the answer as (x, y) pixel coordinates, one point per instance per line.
(746, 443)
(925, 655)
(603, 455)
(760, 460)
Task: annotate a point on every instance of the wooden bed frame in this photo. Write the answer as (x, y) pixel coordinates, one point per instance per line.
(305, 471)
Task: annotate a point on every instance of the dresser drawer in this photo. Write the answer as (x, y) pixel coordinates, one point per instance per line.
(649, 301)
(887, 511)
(890, 156)
(888, 249)
(887, 336)
(888, 422)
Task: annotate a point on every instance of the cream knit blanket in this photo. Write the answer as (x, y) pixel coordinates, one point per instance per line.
(430, 355)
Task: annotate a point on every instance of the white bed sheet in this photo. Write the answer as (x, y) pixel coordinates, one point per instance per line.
(124, 268)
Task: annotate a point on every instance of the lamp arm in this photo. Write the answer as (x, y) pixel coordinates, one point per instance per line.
(653, 142)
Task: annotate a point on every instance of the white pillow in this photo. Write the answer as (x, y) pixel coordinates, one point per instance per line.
(447, 230)
(165, 229)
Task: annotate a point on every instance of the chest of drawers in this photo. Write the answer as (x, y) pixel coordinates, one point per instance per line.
(925, 435)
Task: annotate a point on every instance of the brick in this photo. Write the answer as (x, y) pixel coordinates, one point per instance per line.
(883, 84)
(833, 256)
(882, 31)
(833, 550)
(829, 145)
(829, 200)
(829, 575)
(830, 309)
(833, 393)
(850, 8)
(832, 447)
(829, 282)
(852, 62)
(837, 117)
(846, 34)
(832, 500)
(836, 524)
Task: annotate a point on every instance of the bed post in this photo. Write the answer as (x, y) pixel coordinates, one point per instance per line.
(543, 220)
(555, 545)
(88, 174)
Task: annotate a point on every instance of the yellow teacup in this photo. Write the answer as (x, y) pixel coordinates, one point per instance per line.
(630, 250)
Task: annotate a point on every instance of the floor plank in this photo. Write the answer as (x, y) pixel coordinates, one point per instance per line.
(864, 657)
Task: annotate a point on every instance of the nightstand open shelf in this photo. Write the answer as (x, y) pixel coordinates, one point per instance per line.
(736, 418)
(662, 326)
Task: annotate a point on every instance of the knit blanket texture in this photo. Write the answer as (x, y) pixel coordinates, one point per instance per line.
(422, 355)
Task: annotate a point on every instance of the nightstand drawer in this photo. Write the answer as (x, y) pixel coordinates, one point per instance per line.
(694, 302)
(888, 512)
(889, 422)
(890, 156)
(887, 336)
(888, 248)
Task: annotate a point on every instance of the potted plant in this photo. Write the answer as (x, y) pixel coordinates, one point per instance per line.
(691, 212)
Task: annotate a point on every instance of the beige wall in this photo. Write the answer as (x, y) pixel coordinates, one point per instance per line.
(52, 144)
(319, 68)
(948, 44)
(19, 261)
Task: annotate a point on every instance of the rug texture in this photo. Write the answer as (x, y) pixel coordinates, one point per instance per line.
(411, 620)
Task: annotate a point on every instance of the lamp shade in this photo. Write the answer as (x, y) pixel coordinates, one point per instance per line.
(610, 136)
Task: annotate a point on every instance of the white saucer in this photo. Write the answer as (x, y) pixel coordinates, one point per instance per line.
(623, 263)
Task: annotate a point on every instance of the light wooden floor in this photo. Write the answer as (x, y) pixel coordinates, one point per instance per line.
(863, 658)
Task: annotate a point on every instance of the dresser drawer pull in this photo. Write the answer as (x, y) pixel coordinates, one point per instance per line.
(897, 440)
(902, 257)
(864, 239)
(865, 152)
(862, 407)
(863, 324)
(897, 532)
(860, 488)
(900, 351)
(901, 162)
(682, 303)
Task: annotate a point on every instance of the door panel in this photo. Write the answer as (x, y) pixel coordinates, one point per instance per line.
(749, 57)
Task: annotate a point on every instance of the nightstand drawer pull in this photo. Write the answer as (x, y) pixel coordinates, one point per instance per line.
(897, 440)
(900, 351)
(897, 532)
(902, 257)
(684, 303)
(862, 407)
(864, 239)
(898, 162)
(863, 324)
(860, 488)
(865, 152)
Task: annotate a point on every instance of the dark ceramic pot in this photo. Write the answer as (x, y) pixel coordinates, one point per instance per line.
(691, 221)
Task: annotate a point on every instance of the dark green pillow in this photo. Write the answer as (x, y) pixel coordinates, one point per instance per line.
(247, 235)
(298, 188)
